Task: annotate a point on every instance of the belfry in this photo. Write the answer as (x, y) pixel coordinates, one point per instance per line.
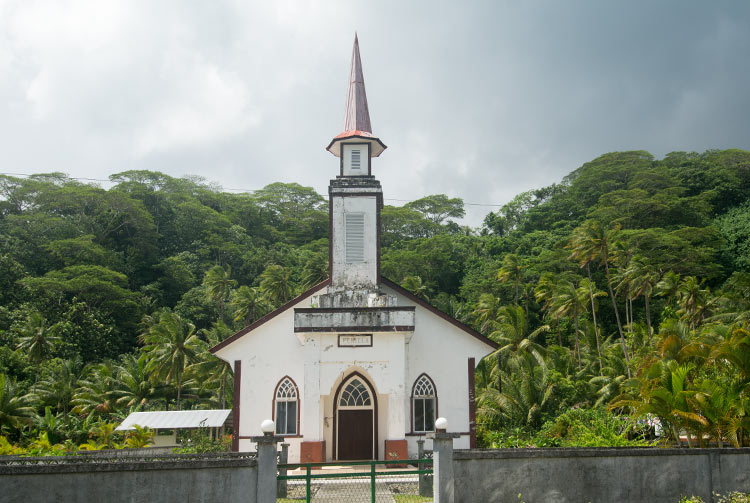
(356, 367)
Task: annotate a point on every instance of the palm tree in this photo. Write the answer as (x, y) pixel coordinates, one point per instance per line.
(133, 386)
(513, 337)
(211, 371)
(171, 345)
(15, 409)
(567, 301)
(275, 284)
(543, 293)
(668, 286)
(58, 388)
(315, 270)
(218, 283)
(693, 300)
(486, 312)
(249, 304)
(37, 341)
(587, 287)
(643, 279)
(510, 271)
(591, 242)
(95, 393)
(415, 285)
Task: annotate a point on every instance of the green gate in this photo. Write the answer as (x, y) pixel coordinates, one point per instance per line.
(393, 481)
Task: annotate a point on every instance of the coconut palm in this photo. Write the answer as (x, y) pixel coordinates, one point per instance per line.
(133, 387)
(218, 283)
(513, 336)
(643, 279)
(315, 270)
(209, 370)
(693, 301)
(415, 285)
(591, 242)
(486, 312)
(95, 393)
(569, 301)
(36, 340)
(510, 272)
(58, 388)
(668, 286)
(171, 345)
(276, 285)
(249, 305)
(15, 409)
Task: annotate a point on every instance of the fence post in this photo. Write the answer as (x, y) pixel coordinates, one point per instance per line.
(442, 462)
(266, 487)
(283, 459)
(425, 481)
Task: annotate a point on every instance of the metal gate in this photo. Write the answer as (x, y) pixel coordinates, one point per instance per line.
(393, 481)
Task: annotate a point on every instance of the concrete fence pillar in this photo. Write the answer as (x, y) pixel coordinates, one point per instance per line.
(266, 487)
(425, 481)
(442, 457)
(283, 459)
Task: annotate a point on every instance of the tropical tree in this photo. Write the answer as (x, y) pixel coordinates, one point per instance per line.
(59, 386)
(95, 393)
(36, 340)
(510, 272)
(512, 334)
(275, 283)
(218, 283)
(570, 301)
(133, 387)
(591, 242)
(249, 304)
(171, 345)
(15, 409)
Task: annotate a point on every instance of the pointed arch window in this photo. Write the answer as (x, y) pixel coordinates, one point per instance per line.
(286, 407)
(424, 404)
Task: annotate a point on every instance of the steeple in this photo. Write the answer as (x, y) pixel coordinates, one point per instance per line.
(357, 127)
(357, 115)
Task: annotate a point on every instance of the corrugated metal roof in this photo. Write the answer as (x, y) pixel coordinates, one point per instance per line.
(176, 419)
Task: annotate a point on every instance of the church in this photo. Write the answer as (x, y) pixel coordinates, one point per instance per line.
(356, 367)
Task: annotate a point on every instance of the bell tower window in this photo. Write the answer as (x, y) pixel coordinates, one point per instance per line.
(355, 159)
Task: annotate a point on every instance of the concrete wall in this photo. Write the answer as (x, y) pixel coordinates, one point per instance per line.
(175, 479)
(595, 475)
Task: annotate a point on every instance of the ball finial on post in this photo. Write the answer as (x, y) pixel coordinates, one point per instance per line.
(268, 427)
(441, 424)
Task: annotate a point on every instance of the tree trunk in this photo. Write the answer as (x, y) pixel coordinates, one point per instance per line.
(179, 389)
(578, 347)
(593, 316)
(617, 316)
(648, 320)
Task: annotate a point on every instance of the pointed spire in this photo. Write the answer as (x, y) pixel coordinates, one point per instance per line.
(357, 115)
(357, 126)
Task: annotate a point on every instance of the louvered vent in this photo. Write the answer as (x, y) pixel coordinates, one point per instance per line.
(355, 237)
(355, 159)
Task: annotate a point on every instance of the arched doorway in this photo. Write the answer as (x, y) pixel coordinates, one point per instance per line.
(355, 419)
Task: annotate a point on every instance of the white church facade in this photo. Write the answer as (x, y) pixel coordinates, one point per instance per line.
(355, 367)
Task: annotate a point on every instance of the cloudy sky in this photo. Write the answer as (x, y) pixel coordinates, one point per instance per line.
(479, 100)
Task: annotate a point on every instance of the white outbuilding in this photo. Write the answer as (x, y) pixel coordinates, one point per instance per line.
(355, 367)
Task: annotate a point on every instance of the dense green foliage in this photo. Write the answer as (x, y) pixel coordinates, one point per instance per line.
(626, 285)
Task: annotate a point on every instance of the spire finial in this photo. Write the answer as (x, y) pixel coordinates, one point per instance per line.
(357, 114)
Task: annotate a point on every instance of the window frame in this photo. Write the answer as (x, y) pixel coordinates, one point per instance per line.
(277, 400)
(423, 398)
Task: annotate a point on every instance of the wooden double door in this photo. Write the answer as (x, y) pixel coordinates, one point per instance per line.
(355, 434)
(356, 407)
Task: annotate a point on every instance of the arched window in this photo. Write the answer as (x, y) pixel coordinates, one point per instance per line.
(424, 404)
(355, 394)
(286, 407)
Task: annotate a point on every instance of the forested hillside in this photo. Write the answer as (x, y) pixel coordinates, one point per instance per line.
(625, 285)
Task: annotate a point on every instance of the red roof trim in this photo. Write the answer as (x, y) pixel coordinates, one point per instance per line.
(269, 316)
(434, 310)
